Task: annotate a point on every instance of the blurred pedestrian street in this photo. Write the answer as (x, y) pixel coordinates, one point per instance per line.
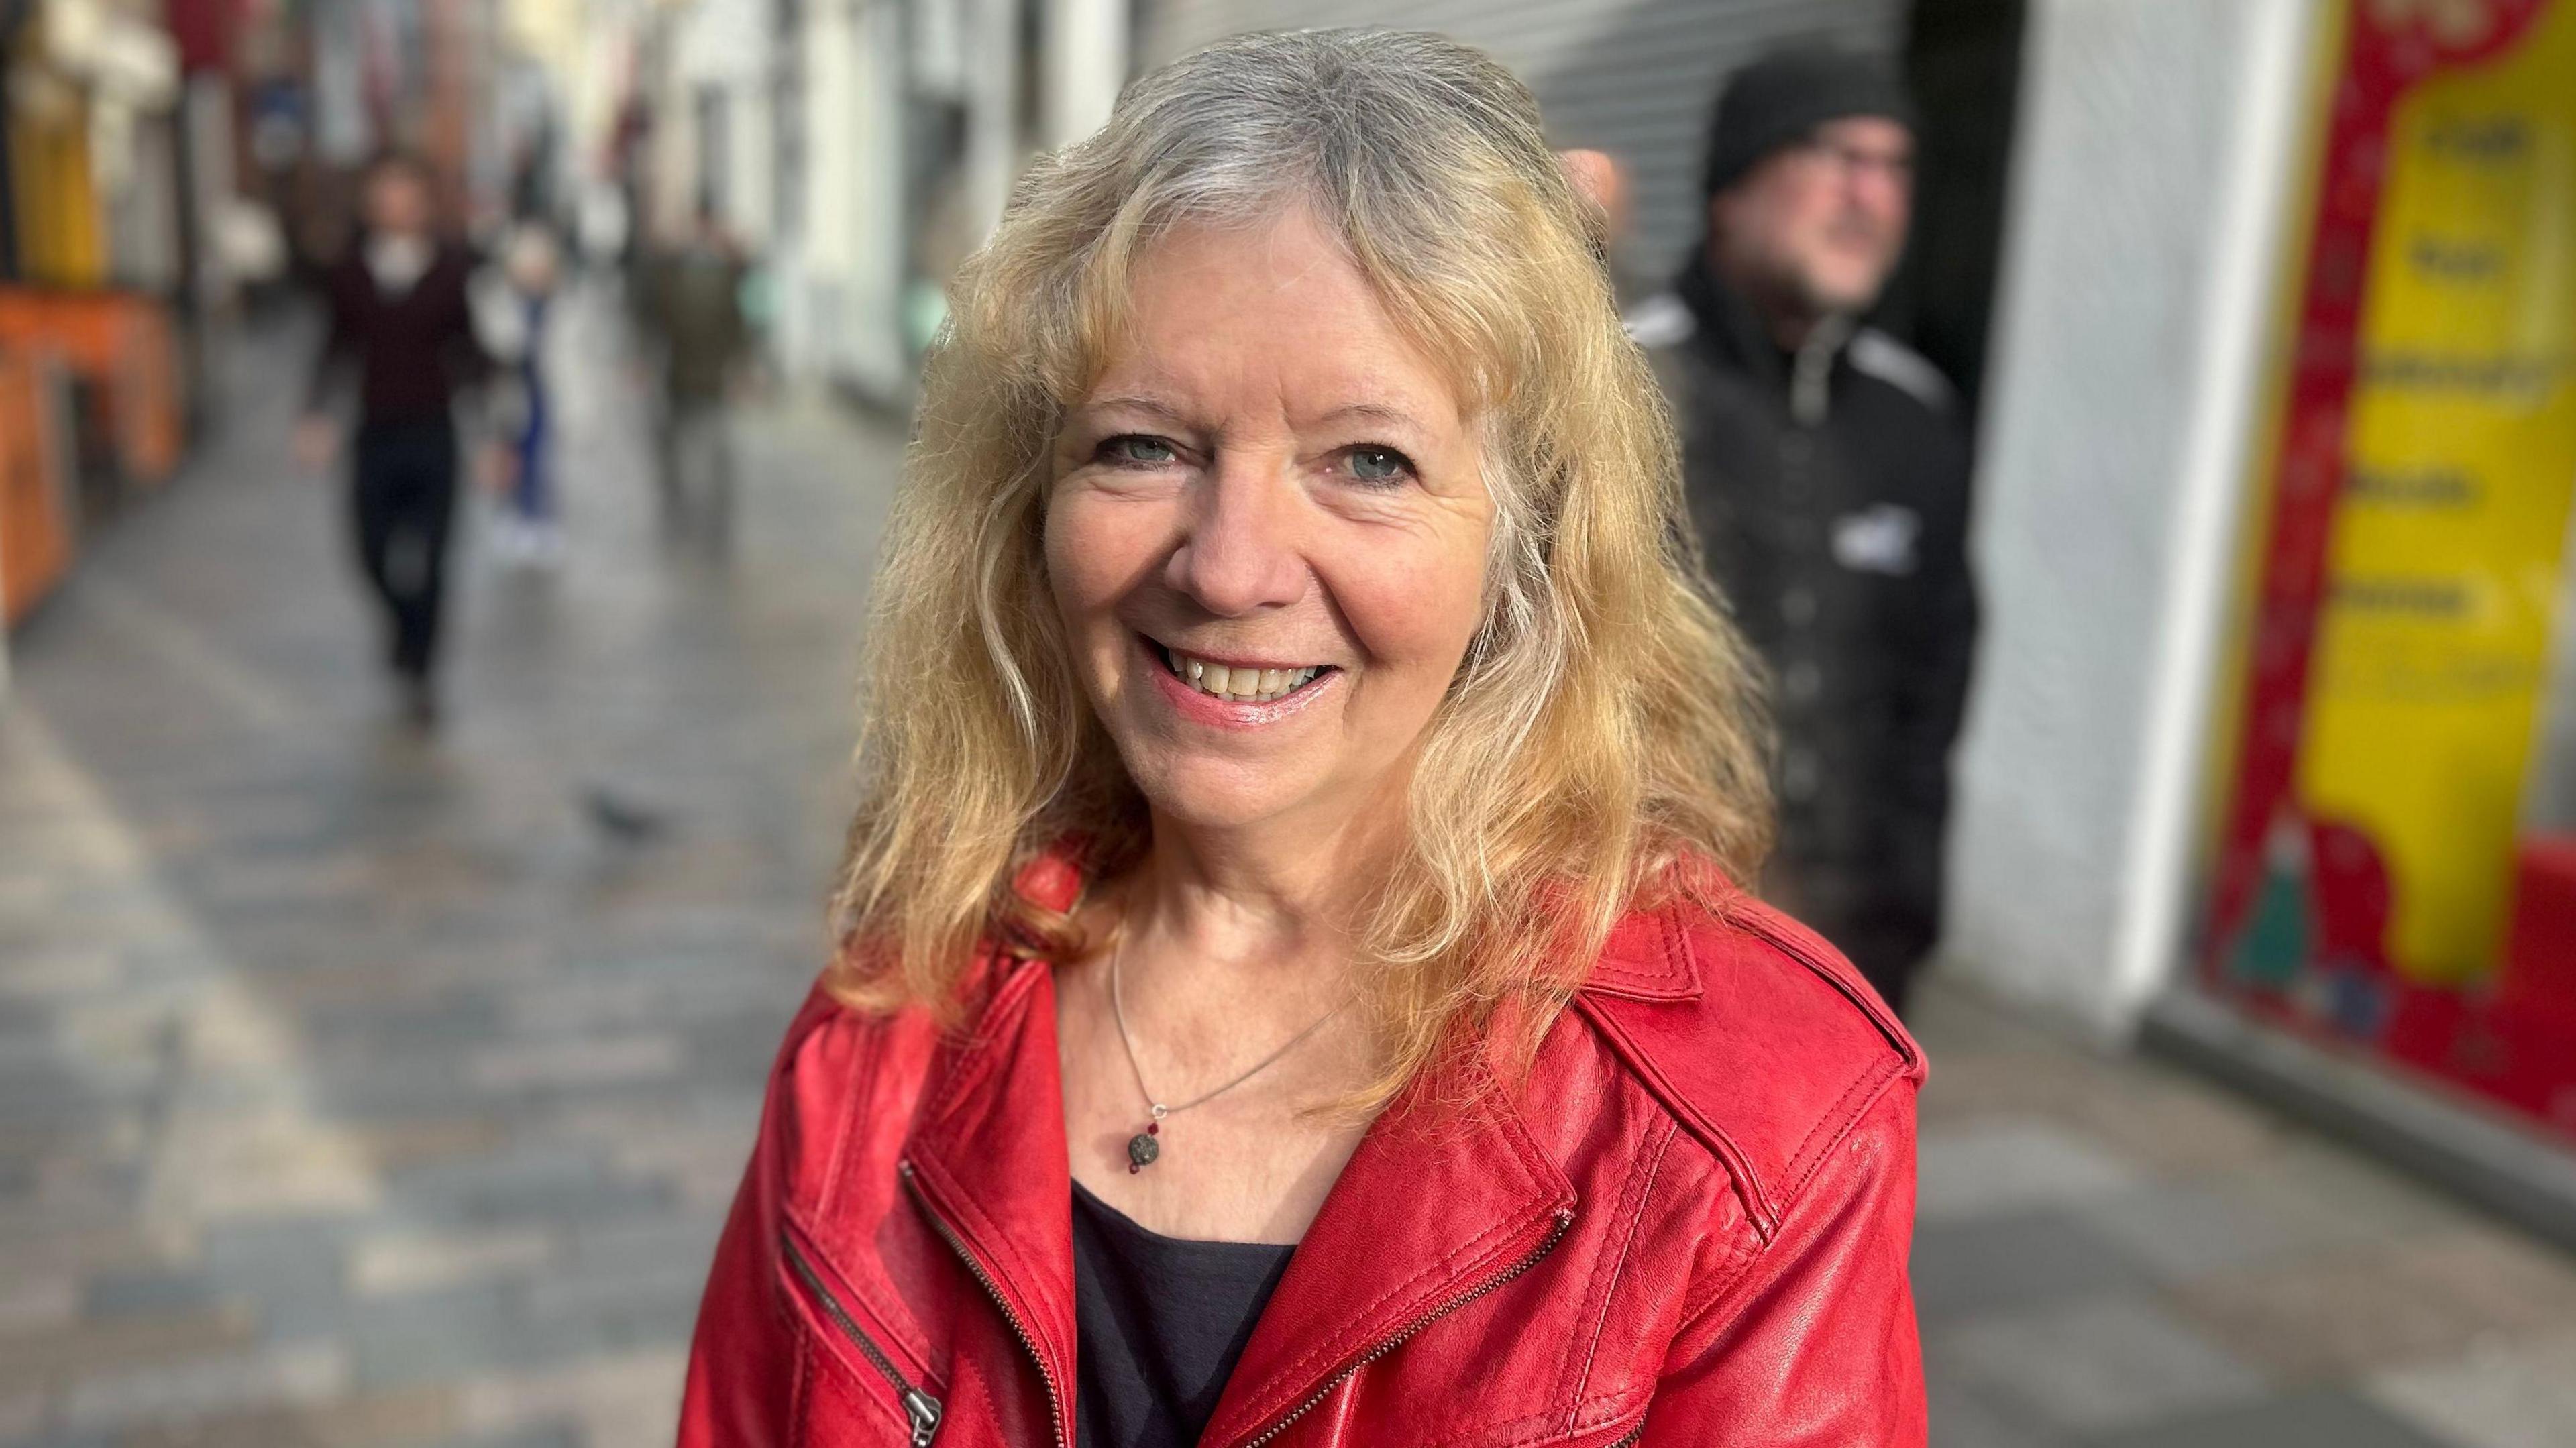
(359, 1086)
(364, 1087)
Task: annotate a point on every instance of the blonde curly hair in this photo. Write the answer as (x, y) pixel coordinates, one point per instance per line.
(1601, 745)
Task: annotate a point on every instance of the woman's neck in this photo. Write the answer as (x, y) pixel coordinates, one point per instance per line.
(1269, 910)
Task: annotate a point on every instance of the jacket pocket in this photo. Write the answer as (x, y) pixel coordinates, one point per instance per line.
(831, 1324)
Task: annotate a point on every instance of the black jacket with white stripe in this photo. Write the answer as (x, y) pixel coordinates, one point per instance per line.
(1830, 490)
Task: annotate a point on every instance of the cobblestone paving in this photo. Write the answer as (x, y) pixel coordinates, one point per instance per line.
(363, 1088)
(359, 1088)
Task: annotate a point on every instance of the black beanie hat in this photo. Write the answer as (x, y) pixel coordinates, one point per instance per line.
(1780, 99)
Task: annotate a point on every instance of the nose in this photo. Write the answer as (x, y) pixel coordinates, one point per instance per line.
(1881, 191)
(1241, 552)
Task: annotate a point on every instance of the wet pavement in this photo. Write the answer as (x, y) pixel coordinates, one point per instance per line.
(365, 1087)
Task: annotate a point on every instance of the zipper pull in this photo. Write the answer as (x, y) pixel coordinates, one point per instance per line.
(923, 1410)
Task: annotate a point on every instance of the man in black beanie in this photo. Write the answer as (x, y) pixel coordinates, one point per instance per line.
(1827, 472)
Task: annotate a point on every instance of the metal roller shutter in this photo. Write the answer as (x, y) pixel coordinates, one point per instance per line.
(1631, 77)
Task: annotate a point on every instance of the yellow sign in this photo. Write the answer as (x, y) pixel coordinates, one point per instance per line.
(2443, 572)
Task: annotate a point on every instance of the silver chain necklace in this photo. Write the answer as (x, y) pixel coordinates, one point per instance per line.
(1144, 1146)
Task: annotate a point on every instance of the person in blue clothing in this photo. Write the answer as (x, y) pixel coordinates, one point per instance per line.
(531, 532)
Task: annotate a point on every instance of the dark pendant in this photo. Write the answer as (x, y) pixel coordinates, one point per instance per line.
(1141, 1151)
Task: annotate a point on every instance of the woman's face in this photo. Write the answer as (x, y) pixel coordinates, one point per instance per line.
(1266, 533)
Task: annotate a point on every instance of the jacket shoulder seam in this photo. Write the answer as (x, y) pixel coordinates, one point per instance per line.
(1765, 1200)
(1723, 1281)
(1867, 1003)
(1844, 1117)
(1670, 1100)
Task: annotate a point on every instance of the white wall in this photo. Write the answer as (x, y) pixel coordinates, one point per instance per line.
(1086, 60)
(843, 273)
(993, 122)
(726, 44)
(2155, 170)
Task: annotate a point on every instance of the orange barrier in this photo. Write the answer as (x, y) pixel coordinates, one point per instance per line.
(35, 497)
(122, 345)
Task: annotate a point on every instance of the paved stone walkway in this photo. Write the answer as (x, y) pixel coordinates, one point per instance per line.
(2111, 1254)
(357, 1088)
(363, 1088)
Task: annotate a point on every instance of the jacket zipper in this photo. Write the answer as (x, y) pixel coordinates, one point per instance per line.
(1564, 1220)
(1055, 1395)
(918, 1406)
(1633, 1435)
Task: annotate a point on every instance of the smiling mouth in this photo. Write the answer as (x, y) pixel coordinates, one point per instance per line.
(1238, 684)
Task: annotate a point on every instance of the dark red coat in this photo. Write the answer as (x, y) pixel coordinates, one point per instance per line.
(1691, 1228)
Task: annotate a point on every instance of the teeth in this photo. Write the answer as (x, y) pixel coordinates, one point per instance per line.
(1249, 685)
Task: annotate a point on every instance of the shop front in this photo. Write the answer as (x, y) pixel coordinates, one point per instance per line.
(91, 402)
(2391, 850)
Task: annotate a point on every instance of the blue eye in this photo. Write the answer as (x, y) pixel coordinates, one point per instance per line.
(1138, 450)
(1379, 464)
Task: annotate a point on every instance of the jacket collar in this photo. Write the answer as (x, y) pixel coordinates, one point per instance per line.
(988, 1156)
(1729, 330)
(1481, 1199)
(1731, 333)
(1647, 958)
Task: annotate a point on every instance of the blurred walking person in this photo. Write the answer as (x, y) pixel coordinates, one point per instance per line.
(693, 304)
(399, 318)
(1827, 471)
(530, 275)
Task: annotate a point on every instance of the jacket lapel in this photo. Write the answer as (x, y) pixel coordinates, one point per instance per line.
(1424, 1218)
(987, 1158)
(1429, 1213)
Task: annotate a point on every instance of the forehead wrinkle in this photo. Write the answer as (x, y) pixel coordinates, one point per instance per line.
(1131, 402)
(1372, 412)
(1154, 374)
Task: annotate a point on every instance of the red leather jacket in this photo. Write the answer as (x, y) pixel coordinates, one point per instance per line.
(1690, 1228)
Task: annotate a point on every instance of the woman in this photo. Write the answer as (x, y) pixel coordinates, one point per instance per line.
(1293, 988)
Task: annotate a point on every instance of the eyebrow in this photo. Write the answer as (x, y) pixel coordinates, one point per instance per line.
(1361, 411)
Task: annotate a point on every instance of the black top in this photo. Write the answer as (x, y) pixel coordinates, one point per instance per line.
(1161, 1322)
(412, 349)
